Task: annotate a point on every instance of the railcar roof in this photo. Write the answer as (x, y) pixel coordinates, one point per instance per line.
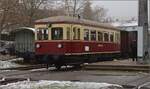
(73, 20)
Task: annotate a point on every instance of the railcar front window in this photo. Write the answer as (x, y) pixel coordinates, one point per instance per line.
(42, 34)
(86, 34)
(93, 35)
(39, 35)
(57, 33)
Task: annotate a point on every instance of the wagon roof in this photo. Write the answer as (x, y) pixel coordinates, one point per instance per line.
(73, 20)
(24, 28)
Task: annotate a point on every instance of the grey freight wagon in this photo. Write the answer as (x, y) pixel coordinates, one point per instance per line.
(24, 42)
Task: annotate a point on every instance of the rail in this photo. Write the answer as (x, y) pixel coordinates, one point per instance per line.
(26, 67)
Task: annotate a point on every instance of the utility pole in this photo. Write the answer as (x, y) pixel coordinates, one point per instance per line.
(143, 22)
(74, 8)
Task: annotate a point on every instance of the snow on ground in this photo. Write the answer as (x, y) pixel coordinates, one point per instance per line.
(6, 57)
(16, 59)
(9, 64)
(43, 84)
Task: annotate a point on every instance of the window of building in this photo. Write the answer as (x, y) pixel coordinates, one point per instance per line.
(57, 33)
(93, 35)
(111, 37)
(106, 37)
(86, 34)
(68, 33)
(100, 36)
(42, 34)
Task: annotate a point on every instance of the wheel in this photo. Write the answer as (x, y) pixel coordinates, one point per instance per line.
(47, 66)
(77, 66)
(58, 67)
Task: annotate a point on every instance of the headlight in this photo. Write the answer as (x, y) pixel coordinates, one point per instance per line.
(59, 46)
(37, 45)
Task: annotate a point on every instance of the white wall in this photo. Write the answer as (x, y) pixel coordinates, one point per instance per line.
(140, 42)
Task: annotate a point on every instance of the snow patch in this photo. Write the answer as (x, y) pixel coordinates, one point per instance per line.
(16, 59)
(8, 64)
(43, 84)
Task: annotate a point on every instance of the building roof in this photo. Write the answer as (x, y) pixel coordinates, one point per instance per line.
(73, 20)
(125, 24)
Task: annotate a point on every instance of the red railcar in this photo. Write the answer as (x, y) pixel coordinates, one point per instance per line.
(65, 40)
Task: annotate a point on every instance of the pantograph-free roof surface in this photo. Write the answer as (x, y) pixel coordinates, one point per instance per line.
(73, 20)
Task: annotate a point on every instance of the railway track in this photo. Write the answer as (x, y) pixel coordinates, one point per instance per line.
(5, 81)
(38, 66)
(10, 77)
(26, 67)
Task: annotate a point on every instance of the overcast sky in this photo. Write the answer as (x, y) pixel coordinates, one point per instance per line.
(125, 9)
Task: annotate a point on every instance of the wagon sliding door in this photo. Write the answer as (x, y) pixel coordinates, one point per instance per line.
(24, 41)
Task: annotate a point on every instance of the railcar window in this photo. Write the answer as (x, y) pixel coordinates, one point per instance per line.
(42, 34)
(93, 35)
(57, 33)
(100, 36)
(106, 37)
(111, 37)
(68, 33)
(117, 37)
(86, 34)
(76, 33)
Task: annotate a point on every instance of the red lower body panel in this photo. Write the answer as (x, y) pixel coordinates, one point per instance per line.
(75, 47)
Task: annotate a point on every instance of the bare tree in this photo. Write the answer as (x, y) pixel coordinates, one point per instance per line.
(74, 7)
(87, 12)
(29, 8)
(99, 13)
(7, 14)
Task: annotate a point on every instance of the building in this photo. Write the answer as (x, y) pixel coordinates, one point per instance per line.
(134, 32)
